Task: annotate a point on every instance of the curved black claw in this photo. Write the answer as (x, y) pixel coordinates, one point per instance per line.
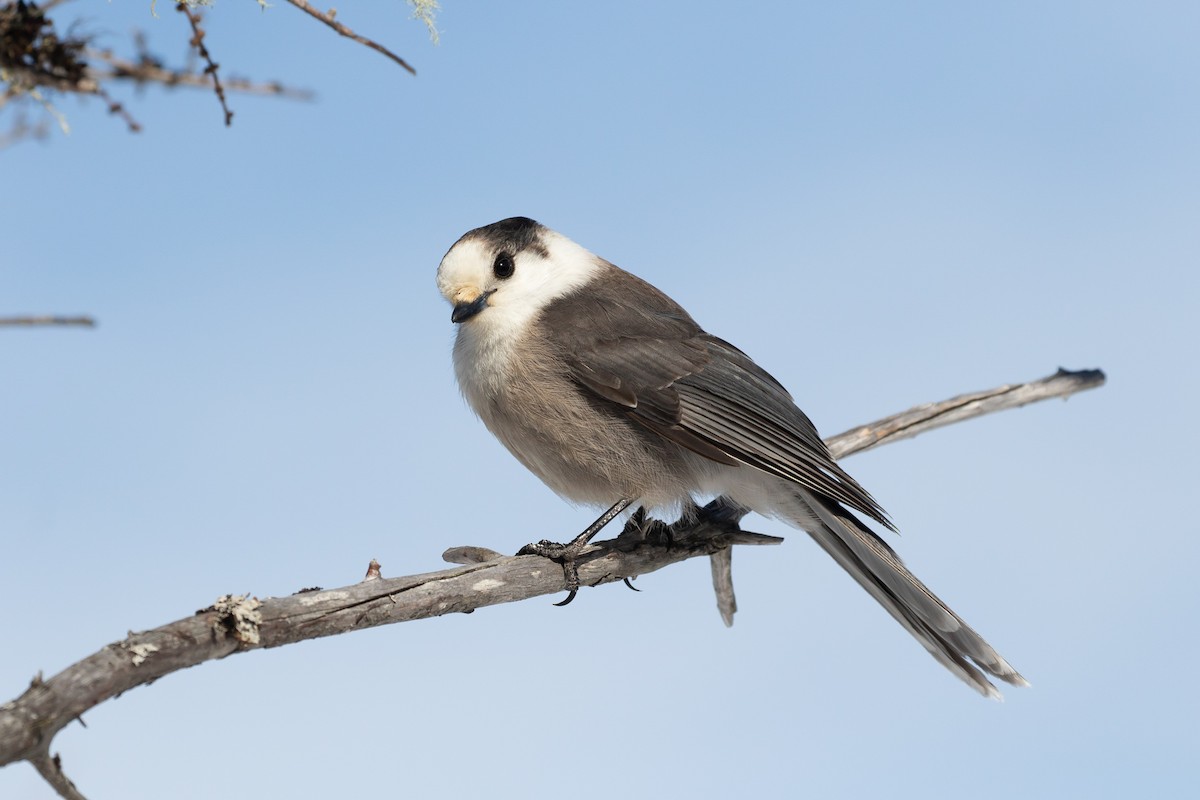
(570, 597)
(627, 582)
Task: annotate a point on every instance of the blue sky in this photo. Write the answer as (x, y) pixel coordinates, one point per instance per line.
(883, 203)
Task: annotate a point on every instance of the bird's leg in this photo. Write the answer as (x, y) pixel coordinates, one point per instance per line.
(579, 542)
(567, 554)
(636, 526)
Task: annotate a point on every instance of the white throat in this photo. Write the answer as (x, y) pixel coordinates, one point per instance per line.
(487, 341)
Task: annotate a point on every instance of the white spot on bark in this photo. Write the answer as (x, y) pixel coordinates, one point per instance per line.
(141, 652)
(321, 597)
(486, 585)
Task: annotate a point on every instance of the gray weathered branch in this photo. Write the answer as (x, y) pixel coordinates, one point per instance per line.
(237, 624)
(928, 416)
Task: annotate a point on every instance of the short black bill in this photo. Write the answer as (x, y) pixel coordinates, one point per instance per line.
(464, 311)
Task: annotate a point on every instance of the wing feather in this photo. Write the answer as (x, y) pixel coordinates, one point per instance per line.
(694, 389)
(664, 372)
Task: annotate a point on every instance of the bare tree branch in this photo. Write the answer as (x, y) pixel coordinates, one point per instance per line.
(197, 41)
(38, 64)
(146, 70)
(50, 768)
(327, 18)
(28, 322)
(929, 416)
(237, 624)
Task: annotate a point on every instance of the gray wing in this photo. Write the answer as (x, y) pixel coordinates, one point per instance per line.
(663, 371)
(694, 389)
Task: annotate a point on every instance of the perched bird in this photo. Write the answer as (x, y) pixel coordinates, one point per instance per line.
(609, 391)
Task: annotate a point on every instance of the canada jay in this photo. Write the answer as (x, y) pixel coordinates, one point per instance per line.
(610, 393)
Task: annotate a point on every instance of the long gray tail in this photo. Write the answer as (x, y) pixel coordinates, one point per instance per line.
(879, 570)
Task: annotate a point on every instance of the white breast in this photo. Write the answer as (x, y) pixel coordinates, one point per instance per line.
(482, 354)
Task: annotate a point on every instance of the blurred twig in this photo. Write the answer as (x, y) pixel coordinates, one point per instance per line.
(147, 70)
(45, 320)
(210, 68)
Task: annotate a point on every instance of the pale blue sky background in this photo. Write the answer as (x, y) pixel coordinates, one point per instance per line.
(883, 203)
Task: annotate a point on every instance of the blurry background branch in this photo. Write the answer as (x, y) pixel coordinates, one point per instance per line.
(236, 624)
(39, 65)
(147, 70)
(46, 319)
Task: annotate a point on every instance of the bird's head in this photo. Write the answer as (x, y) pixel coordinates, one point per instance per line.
(511, 269)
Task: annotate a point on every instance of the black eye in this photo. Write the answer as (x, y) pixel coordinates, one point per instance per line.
(503, 265)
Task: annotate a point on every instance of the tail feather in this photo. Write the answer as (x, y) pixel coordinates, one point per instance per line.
(879, 570)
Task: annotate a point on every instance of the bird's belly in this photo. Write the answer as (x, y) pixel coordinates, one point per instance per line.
(585, 449)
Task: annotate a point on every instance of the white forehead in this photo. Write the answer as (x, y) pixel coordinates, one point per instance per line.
(467, 264)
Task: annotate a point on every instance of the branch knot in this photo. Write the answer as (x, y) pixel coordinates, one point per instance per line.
(238, 615)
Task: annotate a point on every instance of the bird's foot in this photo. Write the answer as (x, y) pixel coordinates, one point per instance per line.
(565, 554)
(568, 554)
(641, 530)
